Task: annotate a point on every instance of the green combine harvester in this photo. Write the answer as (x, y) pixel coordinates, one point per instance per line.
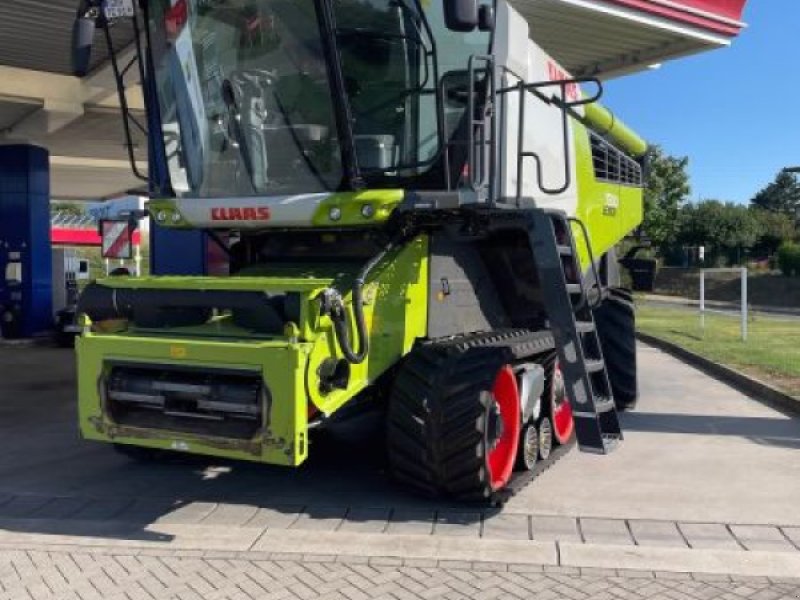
(419, 209)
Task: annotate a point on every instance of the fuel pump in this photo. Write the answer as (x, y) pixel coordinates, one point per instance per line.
(25, 267)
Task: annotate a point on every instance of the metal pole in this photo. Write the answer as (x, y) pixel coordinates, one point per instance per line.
(744, 304)
(138, 260)
(702, 299)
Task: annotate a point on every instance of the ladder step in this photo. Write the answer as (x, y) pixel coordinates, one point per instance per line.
(603, 404)
(594, 365)
(611, 441)
(589, 429)
(570, 317)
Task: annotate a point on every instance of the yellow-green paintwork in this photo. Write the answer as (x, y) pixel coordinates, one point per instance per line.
(609, 210)
(282, 441)
(395, 313)
(351, 204)
(172, 216)
(604, 122)
(309, 281)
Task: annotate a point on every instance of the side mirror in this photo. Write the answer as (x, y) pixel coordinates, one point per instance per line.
(461, 15)
(82, 39)
(486, 17)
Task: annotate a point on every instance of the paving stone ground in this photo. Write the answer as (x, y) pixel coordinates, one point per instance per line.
(103, 574)
(703, 470)
(59, 514)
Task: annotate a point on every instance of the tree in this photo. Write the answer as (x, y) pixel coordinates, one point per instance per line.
(781, 196)
(666, 191)
(775, 229)
(71, 208)
(725, 229)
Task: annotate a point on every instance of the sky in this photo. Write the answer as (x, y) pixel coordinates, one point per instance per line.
(735, 112)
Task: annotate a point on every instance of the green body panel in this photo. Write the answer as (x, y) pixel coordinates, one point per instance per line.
(608, 209)
(283, 441)
(351, 205)
(604, 122)
(302, 280)
(172, 217)
(395, 314)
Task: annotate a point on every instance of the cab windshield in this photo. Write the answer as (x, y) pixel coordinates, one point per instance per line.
(244, 97)
(277, 97)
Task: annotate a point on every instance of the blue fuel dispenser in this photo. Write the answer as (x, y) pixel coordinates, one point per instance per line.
(25, 255)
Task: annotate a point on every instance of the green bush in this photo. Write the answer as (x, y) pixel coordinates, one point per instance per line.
(789, 258)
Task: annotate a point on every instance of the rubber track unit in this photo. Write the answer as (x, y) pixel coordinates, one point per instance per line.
(616, 324)
(435, 425)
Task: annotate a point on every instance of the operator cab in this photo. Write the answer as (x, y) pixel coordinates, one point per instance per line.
(282, 97)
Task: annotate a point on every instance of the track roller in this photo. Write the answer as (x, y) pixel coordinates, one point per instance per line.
(528, 453)
(559, 408)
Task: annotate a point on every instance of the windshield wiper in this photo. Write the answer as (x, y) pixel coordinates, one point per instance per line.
(235, 121)
(296, 139)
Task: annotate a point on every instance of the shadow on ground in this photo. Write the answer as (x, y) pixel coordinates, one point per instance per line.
(760, 430)
(53, 482)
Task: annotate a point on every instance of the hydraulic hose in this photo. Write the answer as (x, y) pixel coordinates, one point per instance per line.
(338, 312)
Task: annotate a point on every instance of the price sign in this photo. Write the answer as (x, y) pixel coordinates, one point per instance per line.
(117, 9)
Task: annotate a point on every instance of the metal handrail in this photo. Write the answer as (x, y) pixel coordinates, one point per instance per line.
(479, 175)
(566, 107)
(593, 264)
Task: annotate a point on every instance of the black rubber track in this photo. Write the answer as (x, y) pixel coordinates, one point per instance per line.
(437, 412)
(616, 325)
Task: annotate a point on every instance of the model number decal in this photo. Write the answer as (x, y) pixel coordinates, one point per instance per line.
(610, 205)
(246, 213)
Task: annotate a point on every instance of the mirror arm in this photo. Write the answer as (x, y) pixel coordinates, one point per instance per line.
(123, 103)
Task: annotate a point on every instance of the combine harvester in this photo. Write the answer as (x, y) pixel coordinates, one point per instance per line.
(419, 202)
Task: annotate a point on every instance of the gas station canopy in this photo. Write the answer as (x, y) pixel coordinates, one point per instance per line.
(78, 121)
(609, 38)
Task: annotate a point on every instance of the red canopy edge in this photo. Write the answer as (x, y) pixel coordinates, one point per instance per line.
(718, 16)
(82, 237)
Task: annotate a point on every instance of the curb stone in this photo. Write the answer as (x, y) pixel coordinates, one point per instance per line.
(755, 389)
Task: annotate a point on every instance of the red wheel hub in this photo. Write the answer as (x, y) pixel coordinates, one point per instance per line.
(502, 449)
(560, 408)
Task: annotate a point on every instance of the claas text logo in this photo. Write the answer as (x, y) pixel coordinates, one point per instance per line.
(247, 213)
